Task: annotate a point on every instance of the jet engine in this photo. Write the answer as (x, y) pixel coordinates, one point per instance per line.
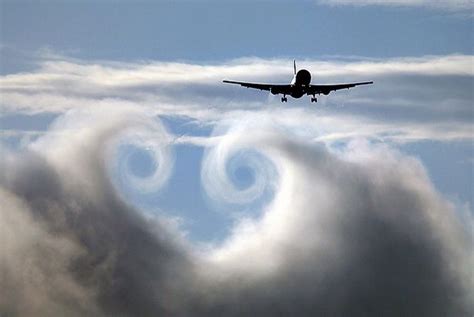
(274, 91)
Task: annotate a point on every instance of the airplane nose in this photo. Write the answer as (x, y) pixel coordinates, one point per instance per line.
(303, 78)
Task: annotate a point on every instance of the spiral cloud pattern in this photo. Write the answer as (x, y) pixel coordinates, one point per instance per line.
(357, 230)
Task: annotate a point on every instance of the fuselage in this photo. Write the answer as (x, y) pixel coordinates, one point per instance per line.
(300, 81)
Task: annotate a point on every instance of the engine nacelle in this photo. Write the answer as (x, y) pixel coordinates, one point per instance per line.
(326, 92)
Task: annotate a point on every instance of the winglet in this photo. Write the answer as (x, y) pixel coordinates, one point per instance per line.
(294, 66)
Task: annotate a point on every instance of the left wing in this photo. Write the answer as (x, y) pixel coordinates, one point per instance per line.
(326, 89)
(275, 89)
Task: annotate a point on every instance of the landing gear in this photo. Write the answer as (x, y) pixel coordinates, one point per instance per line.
(314, 99)
(284, 99)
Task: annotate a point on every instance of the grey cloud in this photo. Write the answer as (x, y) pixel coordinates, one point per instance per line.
(414, 98)
(363, 237)
(361, 232)
(73, 246)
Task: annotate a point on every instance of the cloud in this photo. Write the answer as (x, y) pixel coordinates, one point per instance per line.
(413, 98)
(454, 5)
(357, 230)
(81, 249)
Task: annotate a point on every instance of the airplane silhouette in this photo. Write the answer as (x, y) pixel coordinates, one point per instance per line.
(299, 86)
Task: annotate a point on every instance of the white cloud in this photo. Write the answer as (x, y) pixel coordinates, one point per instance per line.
(412, 99)
(350, 231)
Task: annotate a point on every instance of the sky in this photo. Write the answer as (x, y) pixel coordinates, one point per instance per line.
(158, 189)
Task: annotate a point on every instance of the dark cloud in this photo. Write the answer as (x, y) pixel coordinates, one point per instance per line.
(361, 233)
(112, 256)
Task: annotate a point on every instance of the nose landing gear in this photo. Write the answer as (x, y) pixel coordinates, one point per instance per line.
(284, 99)
(314, 99)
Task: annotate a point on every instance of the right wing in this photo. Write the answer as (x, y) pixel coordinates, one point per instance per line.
(275, 89)
(326, 89)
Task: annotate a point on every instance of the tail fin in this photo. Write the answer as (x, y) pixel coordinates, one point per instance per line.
(294, 66)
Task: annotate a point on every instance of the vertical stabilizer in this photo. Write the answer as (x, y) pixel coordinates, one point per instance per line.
(294, 66)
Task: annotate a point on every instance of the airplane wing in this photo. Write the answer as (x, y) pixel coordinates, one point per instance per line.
(287, 89)
(326, 89)
(276, 89)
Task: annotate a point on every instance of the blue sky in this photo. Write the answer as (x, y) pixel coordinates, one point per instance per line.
(216, 30)
(133, 182)
(219, 32)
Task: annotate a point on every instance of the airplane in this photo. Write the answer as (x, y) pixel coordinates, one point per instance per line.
(299, 86)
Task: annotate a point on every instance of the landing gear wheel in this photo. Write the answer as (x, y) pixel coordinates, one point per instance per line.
(284, 99)
(314, 99)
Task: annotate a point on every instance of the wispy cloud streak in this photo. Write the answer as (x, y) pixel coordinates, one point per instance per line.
(412, 99)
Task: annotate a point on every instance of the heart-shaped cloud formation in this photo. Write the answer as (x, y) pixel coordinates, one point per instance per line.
(357, 230)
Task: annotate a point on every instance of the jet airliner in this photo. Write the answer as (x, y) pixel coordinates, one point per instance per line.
(299, 86)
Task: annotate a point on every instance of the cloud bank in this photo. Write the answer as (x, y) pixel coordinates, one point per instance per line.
(357, 230)
(413, 98)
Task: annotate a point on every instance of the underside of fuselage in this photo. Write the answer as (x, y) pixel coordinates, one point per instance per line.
(297, 92)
